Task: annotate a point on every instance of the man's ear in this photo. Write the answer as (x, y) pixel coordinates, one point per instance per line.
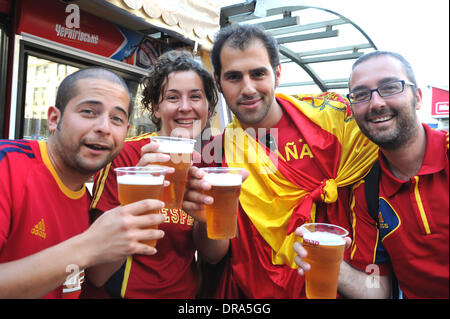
(277, 75)
(210, 112)
(217, 79)
(419, 98)
(53, 118)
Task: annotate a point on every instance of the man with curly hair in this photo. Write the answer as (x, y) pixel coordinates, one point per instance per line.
(300, 151)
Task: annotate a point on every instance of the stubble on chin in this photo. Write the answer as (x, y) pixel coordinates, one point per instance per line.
(91, 167)
(252, 117)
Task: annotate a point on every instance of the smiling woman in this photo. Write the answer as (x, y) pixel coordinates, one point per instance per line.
(180, 95)
(182, 110)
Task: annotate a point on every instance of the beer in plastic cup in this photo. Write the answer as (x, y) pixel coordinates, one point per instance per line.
(325, 245)
(221, 216)
(180, 151)
(138, 183)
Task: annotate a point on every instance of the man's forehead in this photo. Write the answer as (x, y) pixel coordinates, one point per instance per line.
(253, 56)
(377, 69)
(386, 62)
(87, 80)
(95, 88)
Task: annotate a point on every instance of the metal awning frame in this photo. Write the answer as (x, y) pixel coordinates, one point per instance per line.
(289, 30)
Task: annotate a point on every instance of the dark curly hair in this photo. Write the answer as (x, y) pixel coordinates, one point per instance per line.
(174, 61)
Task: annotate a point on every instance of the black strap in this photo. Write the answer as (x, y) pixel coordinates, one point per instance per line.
(371, 184)
(371, 189)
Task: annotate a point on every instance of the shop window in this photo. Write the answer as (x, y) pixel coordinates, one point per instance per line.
(140, 120)
(43, 78)
(42, 81)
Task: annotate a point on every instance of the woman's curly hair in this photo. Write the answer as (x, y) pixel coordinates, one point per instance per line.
(174, 61)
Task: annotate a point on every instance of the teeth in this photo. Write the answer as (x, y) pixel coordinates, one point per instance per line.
(382, 119)
(95, 147)
(185, 121)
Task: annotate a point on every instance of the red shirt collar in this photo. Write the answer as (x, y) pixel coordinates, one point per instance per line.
(435, 160)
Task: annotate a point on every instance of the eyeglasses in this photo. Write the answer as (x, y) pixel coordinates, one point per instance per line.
(387, 89)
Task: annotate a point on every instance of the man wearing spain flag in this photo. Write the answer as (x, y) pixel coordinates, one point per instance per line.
(301, 153)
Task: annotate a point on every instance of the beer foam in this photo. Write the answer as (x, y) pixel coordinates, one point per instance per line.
(140, 179)
(224, 179)
(170, 148)
(323, 238)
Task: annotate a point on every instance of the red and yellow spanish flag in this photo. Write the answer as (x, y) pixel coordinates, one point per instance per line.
(278, 198)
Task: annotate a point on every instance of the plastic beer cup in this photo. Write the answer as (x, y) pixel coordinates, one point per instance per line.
(180, 151)
(325, 245)
(221, 216)
(138, 183)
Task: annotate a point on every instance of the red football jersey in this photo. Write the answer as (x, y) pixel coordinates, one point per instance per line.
(171, 273)
(249, 271)
(37, 210)
(413, 233)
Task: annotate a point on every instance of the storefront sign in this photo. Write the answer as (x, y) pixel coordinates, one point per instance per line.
(67, 24)
(439, 102)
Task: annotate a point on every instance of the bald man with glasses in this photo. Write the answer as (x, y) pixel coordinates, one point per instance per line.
(411, 234)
